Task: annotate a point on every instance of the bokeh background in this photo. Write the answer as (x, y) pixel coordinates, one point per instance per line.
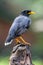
(9, 9)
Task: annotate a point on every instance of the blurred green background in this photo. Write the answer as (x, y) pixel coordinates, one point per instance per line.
(9, 9)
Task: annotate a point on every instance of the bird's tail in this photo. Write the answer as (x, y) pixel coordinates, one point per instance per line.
(8, 41)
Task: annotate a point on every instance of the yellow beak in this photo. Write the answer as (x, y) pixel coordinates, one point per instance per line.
(32, 12)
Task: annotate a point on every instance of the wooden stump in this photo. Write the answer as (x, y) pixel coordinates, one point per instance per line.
(20, 55)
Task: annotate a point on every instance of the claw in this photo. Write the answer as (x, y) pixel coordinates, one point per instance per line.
(28, 43)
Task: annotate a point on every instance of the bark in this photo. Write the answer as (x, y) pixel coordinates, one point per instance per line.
(21, 55)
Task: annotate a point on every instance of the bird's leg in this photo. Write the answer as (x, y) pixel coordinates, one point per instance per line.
(17, 40)
(24, 42)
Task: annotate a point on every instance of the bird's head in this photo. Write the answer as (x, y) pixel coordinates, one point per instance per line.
(27, 12)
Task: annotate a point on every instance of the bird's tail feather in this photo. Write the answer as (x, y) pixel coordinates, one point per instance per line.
(7, 43)
(8, 40)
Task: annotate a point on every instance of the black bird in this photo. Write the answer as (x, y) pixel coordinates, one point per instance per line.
(19, 26)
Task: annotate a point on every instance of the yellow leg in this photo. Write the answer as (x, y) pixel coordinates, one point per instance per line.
(17, 40)
(24, 42)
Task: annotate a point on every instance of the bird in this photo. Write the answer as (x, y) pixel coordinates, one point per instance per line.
(19, 26)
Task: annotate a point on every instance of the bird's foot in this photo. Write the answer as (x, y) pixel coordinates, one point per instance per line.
(26, 43)
(19, 42)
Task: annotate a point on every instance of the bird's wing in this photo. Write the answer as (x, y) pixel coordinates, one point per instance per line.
(24, 24)
(11, 33)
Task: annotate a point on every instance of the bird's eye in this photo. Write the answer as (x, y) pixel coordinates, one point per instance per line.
(27, 12)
